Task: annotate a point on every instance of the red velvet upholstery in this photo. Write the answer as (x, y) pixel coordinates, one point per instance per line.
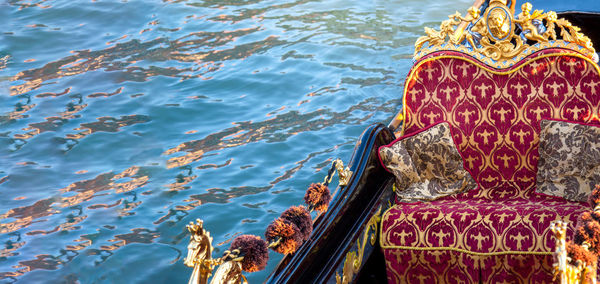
(474, 238)
(495, 119)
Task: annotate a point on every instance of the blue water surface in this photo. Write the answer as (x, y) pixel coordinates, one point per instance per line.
(122, 121)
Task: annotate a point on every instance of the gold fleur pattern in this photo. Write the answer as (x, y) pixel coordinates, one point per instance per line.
(474, 238)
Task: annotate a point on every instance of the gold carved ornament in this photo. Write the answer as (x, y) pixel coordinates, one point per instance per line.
(492, 36)
(344, 173)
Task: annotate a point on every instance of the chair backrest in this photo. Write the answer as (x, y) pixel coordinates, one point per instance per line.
(493, 76)
(495, 113)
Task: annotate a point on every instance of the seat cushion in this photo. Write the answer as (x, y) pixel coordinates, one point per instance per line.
(474, 235)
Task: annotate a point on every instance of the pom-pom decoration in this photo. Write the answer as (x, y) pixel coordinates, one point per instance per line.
(577, 252)
(254, 251)
(587, 217)
(594, 198)
(300, 216)
(283, 236)
(588, 232)
(318, 197)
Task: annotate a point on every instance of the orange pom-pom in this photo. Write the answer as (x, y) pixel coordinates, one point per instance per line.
(286, 233)
(318, 196)
(577, 252)
(589, 232)
(300, 216)
(254, 250)
(588, 216)
(594, 198)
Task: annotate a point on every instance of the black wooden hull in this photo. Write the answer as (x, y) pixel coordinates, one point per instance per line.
(342, 229)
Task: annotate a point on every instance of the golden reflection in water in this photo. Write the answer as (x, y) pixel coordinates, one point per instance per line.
(4, 61)
(3, 179)
(106, 95)
(11, 247)
(67, 226)
(54, 95)
(19, 111)
(270, 130)
(219, 195)
(180, 183)
(107, 124)
(29, 4)
(85, 191)
(83, 242)
(139, 235)
(215, 166)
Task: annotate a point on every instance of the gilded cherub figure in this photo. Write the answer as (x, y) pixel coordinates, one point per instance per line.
(474, 30)
(527, 21)
(434, 37)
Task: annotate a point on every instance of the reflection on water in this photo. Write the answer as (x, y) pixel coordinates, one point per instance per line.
(121, 121)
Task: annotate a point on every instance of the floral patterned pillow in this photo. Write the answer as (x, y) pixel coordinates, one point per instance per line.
(427, 165)
(569, 164)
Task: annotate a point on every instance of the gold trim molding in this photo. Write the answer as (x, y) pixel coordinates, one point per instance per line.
(500, 39)
(354, 259)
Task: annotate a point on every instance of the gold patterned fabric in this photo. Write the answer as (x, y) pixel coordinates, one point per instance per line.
(427, 165)
(569, 164)
(443, 266)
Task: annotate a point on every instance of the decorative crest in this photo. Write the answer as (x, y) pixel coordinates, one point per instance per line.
(500, 39)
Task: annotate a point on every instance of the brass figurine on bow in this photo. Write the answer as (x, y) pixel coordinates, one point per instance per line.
(491, 36)
(344, 174)
(200, 258)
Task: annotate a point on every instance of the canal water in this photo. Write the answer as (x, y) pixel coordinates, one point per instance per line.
(122, 121)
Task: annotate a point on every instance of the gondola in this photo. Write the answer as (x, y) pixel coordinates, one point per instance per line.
(498, 86)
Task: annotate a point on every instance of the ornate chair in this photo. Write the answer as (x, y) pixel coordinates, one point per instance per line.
(492, 77)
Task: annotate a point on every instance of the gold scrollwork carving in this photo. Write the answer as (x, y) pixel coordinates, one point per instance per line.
(490, 36)
(354, 259)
